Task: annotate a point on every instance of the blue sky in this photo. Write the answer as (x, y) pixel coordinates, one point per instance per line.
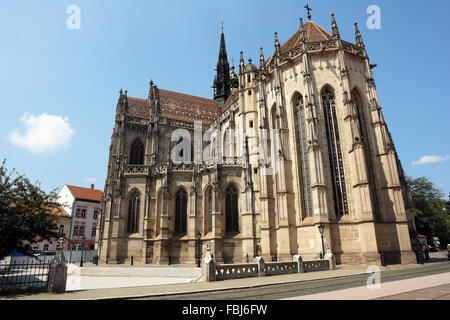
(70, 79)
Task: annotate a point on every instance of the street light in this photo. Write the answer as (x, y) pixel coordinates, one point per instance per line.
(321, 230)
(199, 248)
(83, 238)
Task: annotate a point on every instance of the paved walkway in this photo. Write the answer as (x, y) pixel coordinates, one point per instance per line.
(400, 289)
(159, 290)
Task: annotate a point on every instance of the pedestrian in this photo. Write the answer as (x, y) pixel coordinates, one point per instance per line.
(425, 251)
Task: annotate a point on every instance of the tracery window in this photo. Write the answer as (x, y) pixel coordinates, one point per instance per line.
(334, 153)
(181, 212)
(208, 210)
(133, 212)
(137, 152)
(303, 156)
(368, 158)
(232, 209)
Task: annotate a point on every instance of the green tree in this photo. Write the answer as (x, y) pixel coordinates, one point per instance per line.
(25, 213)
(430, 210)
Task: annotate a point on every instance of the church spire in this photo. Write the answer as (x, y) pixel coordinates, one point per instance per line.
(358, 37)
(336, 34)
(222, 82)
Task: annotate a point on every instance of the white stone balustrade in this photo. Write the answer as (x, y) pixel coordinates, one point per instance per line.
(214, 272)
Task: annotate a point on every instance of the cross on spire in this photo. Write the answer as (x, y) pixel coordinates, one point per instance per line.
(309, 11)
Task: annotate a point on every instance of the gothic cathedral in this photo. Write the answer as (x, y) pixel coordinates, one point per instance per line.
(313, 103)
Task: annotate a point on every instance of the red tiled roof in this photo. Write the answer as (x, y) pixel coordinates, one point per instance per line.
(59, 211)
(177, 106)
(314, 33)
(86, 193)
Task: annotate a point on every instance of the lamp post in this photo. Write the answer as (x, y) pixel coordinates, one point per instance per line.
(199, 249)
(83, 238)
(321, 230)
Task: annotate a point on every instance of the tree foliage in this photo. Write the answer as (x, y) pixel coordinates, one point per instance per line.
(431, 212)
(25, 213)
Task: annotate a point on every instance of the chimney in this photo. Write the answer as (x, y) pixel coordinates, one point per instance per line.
(92, 186)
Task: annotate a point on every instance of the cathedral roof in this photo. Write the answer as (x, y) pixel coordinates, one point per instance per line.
(177, 106)
(314, 33)
(232, 98)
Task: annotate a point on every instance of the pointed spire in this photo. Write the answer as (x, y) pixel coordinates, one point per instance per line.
(336, 34)
(302, 31)
(358, 37)
(261, 58)
(222, 82)
(277, 44)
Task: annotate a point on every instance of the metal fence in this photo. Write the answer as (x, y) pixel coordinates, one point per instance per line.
(27, 275)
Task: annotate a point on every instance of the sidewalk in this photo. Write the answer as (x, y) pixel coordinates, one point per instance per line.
(180, 288)
(389, 290)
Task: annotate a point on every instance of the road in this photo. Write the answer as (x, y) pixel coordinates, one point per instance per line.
(289, 290)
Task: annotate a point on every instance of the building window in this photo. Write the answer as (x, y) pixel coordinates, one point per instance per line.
(334, 153)
(45, 247)
(232, 209)
(83, 213)
(249, 78)
(91, 246)
(303, 157)
(208, 210)
(61, 230)
(93, 232)
(78, 213)
(81, 231)
(80, 247)
(133, 212)
(251, 123)
(368, 158)
(181, 212)
(95, 214)
(75, 230)
(249, 92)
(137, 152)
(74, 246)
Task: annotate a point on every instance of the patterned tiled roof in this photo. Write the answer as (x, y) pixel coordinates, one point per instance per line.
(81, 193)
(230, 99)
(314, 33)
(177, 106)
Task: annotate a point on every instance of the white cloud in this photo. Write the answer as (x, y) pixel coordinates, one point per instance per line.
(91, 180)
(430, 159)
(44, 133)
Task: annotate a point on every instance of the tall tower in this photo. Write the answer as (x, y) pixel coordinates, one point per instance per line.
(222, 82)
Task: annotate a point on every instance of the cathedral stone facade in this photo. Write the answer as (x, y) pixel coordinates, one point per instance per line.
(311, 108)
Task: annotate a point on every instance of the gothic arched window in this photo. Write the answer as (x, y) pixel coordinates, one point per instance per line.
(232, 209)
(133, 212)
(181, 212)
(368, 155)
(137, 152)
(208, 210)
(334, 153)
(303, 156)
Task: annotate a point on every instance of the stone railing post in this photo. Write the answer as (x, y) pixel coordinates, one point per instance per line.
(209, 266)
(300, 268)
(331, 259)
(261, 266)
(57, 276)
